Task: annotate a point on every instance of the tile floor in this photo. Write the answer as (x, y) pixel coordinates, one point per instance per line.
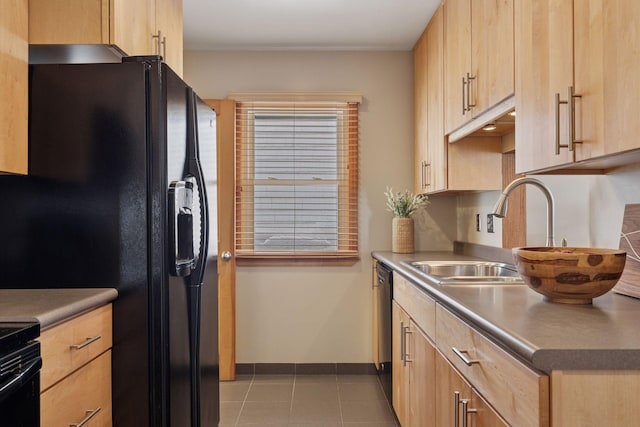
(304, 401)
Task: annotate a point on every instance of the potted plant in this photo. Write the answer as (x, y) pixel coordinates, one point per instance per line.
(403, 204)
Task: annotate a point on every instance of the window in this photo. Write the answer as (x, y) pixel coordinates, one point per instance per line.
(297, 181)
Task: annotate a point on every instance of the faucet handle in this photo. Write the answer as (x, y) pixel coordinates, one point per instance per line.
(564, 242)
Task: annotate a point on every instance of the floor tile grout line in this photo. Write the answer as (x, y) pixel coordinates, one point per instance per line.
(246, 394)
(339, 402)
(293, 393)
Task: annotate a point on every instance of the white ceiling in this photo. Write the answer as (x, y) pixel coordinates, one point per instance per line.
(305, 24)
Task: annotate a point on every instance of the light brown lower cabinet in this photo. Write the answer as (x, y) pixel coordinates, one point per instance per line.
(518, 393)
(75, 379)
(457, 403)
(452, 362)
(399, 371)
(413, 371)
(85, 395)
(448, 374)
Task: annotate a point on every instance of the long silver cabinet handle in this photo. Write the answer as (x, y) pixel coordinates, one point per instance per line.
(462, 355)
(90, 414)
(464, 97)
(402, 343)
(158, 41)
(558, 102)
(407, 330)
(469, 104)
(456, 409)
(466, 411)
(88, 341)
(571, 101)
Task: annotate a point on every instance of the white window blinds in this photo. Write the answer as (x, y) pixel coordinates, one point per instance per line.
(296, 179)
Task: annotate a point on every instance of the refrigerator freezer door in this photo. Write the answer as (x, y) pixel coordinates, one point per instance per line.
(192, 299)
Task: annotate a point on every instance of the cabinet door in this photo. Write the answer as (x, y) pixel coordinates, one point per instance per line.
(69, 22)
(457, 61)
(454, 395)
(82, 396)
(420, 100)
(14, 75)
(543, 67)
(128, 24)
(491, 53)
(168, 18)
(475, 163)
(607, 57)
(132, 26)
(436, 170)
(422, 379)
(450, 388)
(399, 369)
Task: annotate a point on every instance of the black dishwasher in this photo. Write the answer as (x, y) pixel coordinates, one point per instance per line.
(385, 295)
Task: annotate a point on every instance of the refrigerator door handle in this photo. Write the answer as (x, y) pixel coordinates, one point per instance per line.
(195, 281)
(194, 169)
(181, 228)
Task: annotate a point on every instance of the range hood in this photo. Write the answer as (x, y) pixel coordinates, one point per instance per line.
(74, 54)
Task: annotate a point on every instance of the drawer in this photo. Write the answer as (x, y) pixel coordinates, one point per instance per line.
(518, 393)
(72, 344)
(83, 393)
(420, 307)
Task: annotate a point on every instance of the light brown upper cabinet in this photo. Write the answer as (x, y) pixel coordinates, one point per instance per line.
(575, 79)
(478, 63)
(437, 167)
(421, 181)
(137, 27)
(169, 23)
(14, 52)
(471, 164)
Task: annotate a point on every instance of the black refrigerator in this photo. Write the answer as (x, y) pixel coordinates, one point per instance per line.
(122, 192)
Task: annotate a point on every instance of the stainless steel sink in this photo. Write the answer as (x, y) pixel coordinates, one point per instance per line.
(467, 272)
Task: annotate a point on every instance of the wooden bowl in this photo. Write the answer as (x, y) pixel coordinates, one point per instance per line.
(570, 275)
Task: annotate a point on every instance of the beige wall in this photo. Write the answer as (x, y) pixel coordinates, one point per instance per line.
(308, 315)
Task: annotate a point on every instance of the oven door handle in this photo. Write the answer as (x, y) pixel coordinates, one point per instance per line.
(20, 378)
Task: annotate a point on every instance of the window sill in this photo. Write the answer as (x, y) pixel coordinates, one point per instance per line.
(295, 260)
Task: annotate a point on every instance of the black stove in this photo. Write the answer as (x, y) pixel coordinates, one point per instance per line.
(16, 334)
(20, 364)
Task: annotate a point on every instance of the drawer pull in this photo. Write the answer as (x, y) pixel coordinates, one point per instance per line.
(462, 355)
(88, 341)
(90, 414)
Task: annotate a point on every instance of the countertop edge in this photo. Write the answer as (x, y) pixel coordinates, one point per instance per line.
(79, 301)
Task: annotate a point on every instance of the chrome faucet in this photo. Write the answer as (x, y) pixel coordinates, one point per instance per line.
(500, 209)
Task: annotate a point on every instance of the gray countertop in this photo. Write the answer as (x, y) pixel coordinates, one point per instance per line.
(547, 335)
(50, 306)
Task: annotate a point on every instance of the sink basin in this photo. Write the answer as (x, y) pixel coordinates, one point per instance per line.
(468, 272)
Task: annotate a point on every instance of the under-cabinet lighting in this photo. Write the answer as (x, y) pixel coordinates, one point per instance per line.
(489, 127)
